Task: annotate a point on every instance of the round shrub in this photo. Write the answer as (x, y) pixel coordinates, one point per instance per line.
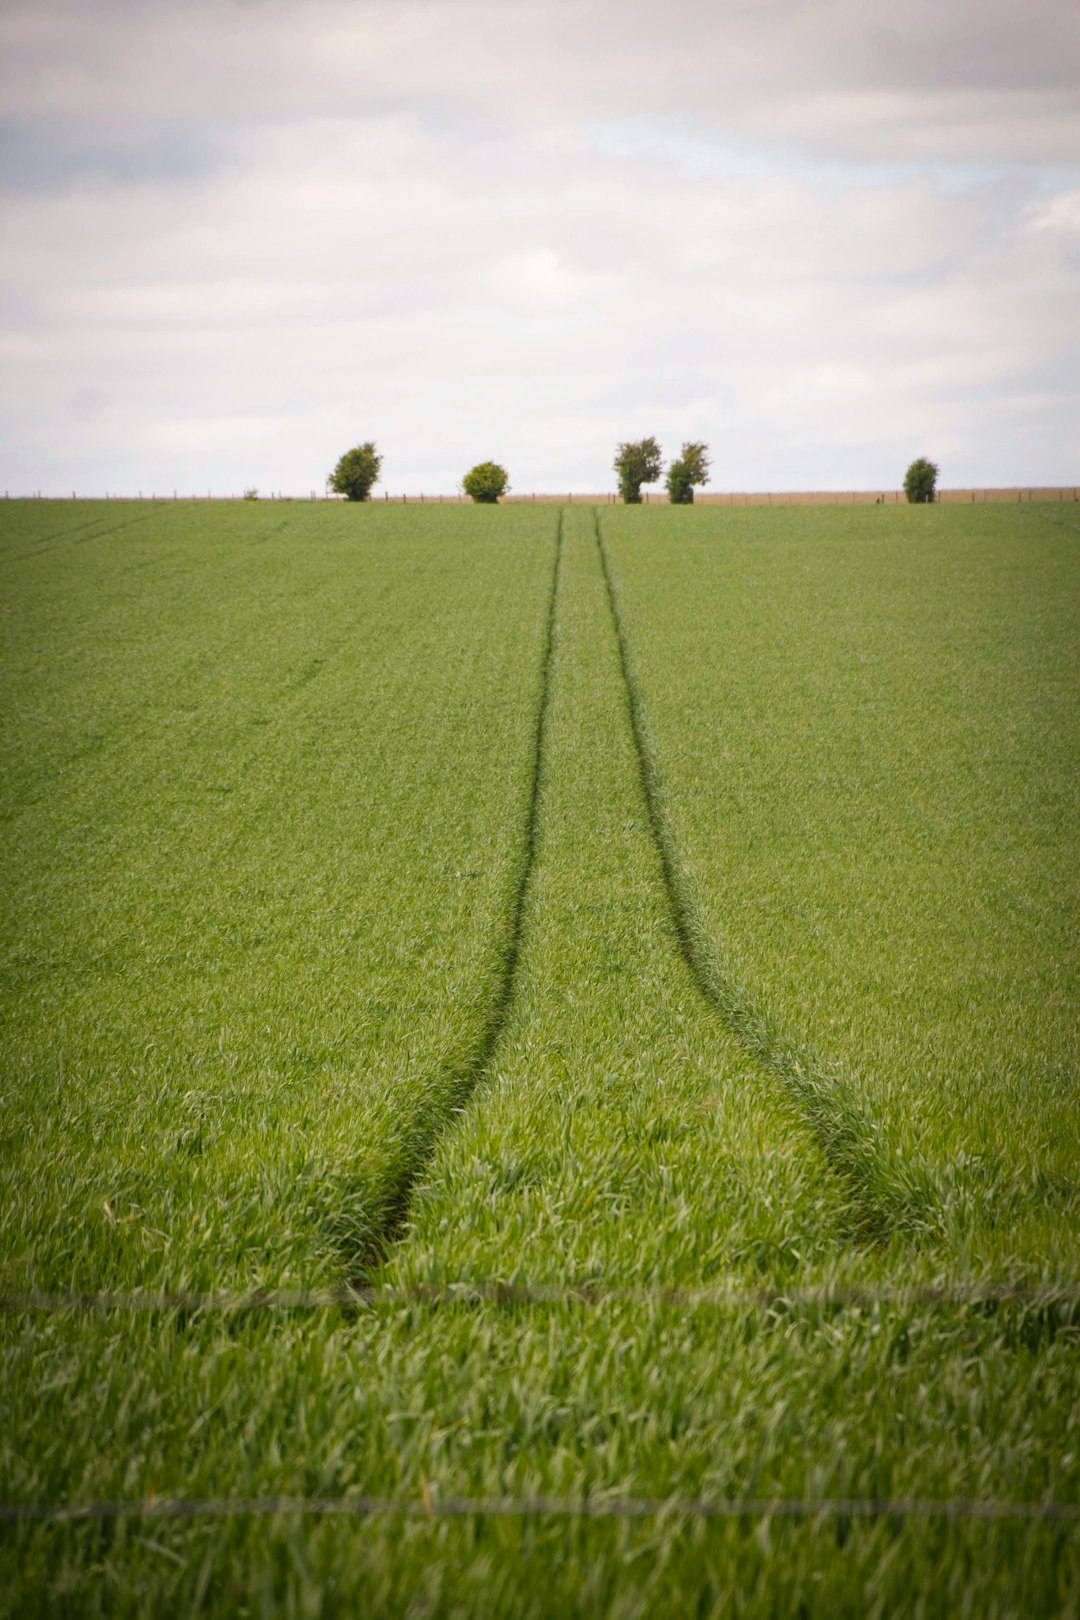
(486, 482)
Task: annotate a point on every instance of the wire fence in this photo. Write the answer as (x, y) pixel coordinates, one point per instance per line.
(813, 497)
(840, 1296)
(429, 1505)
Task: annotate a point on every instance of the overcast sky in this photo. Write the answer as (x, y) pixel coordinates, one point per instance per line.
(240, 236)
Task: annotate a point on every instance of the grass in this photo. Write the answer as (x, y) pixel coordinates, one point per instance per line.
(602, 1063)
(877, 780)
(249, 890)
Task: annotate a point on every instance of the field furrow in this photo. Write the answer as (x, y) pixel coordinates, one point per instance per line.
(621, 1135)
(249, 966)
(426, 1131)
(77, 532)
(518, 807)
(156, 636)
(865, 769)
(881, 1206)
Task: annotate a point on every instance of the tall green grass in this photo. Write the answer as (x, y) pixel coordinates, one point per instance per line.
(864, 730)
(263, 832)
(621, 1132)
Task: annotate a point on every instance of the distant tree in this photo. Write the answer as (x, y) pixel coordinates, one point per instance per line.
(637, 464)
(691, 468)
(486, 482)
(920, 481)
(356, 472)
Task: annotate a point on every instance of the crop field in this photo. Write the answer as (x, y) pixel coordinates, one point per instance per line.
(540, 1061)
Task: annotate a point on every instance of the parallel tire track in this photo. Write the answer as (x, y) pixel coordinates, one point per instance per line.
(887, 1199)
(76, 537)
(464, 1077)
(138, 721)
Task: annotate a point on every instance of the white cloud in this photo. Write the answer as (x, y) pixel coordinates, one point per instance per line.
(238, 238)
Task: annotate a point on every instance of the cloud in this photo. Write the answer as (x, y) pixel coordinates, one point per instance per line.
(252, 234)
(994, 75)
(54, 156)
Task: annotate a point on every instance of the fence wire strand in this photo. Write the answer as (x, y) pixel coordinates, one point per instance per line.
(513, 1293)
(431, 1506)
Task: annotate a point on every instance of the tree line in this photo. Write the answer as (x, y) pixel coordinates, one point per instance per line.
(637, 462)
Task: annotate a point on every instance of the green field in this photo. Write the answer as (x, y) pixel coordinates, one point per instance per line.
(638, 945)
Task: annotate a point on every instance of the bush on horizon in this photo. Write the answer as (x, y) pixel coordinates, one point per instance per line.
(636, 463)
(486, 482)
(691, 468)
(355, 473)
(920, 481)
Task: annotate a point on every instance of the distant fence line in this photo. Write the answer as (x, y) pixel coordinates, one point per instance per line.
(810, 497)
(888, 497)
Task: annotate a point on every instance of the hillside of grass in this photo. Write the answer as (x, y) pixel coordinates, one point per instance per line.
(461, 997)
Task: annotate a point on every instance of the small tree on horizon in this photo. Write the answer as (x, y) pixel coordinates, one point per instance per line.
(486, 482)
(691, 468)
(920, 481)
(355, 473)
(637, 463)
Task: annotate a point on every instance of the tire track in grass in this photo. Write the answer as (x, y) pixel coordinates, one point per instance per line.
(1056, 521)
(141, 721)
(209, 942)
(250, 733)
(620, 1137)
(74, 535)
(464, 1076)
(892, 1199)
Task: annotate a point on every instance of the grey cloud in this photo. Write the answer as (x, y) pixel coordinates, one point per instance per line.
(53, 156)
(242, 235)
(830, 74)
